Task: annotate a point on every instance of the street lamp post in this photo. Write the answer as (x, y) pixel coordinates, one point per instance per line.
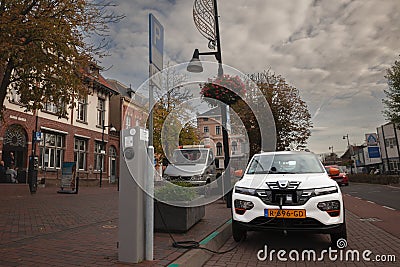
(103, 152)
(350, 151)
(196, 66)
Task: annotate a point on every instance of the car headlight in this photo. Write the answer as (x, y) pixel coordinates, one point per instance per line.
(325, 191)
(245, 191)
(331, 207)
(242, 205)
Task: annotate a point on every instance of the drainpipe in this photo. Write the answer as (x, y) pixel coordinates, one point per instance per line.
(384, 145)
(397, 143)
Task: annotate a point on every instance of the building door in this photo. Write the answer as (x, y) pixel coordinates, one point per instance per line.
(15, 147)
(112, 164)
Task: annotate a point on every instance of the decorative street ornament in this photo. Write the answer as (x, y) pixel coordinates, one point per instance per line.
(204, 19)
(226, 89)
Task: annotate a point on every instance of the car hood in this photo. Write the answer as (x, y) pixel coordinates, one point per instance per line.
(184, 170)
(259, 181)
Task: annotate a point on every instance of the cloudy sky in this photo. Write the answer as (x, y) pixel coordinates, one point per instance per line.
(334, 51)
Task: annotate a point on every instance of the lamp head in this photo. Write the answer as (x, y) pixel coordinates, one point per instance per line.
(112, 129)
(195, 63)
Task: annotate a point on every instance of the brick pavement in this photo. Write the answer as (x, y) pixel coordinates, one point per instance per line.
(50, 229)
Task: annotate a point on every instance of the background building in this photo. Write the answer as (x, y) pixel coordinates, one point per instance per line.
(76, 138)
(210, 128)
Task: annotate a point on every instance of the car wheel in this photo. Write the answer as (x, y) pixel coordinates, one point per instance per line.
(342, 234)
(238, 232)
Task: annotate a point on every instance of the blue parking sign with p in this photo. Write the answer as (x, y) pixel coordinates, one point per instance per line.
(156, 42)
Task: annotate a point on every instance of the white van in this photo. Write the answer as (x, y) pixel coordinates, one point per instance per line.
(193, 164)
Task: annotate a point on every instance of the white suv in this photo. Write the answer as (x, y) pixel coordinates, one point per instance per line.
(287, 191)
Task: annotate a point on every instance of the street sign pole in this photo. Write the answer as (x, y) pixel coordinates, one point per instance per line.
(156, 46)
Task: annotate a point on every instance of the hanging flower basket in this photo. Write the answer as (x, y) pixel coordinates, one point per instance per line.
(226, 89)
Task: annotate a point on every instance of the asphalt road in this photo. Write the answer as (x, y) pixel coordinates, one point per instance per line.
(383, 195)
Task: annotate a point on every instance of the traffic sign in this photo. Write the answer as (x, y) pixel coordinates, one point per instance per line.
(156, 42)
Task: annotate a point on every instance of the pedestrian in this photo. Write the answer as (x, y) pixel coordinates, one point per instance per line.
(2, 172)
(10, 160)
(13, 174)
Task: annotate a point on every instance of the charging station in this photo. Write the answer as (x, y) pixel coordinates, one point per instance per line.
(134, 163)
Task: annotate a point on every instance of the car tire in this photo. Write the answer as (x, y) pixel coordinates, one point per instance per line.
(341, 234)
(238, 232)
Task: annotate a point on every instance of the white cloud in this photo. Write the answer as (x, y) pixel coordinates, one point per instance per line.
(334, 52)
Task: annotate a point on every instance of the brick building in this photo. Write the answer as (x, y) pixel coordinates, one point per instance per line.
(76, 138)
(210, 128)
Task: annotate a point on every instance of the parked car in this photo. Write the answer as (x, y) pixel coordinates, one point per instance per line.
(287, 191)
(193, 164)
(339, 176)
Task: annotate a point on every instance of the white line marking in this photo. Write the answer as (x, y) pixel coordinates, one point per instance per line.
(371, 202)
(358, 197)
(388, 208)
(391, 186)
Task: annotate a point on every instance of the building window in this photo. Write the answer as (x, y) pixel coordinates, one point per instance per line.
(82, 109)
(15, 96)
(51, 151)
(205, 119)
(205, 129)
(219, 149)
(100, 111)
(112, 152)
(99, 151)
(217, 130)
(234, 146)
(80, 151)
(128, 122)
(391, 142)
(54, 108)
(394, 165)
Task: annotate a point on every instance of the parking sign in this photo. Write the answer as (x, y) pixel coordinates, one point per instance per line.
(156, 42)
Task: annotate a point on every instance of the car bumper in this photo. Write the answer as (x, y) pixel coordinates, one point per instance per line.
(289, 225)
(316, 220)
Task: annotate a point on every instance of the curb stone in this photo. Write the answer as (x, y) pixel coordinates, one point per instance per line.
(214, 241)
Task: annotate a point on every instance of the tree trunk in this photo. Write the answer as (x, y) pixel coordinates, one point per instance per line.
(5, 76)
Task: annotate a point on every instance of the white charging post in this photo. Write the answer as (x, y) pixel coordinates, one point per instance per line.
(134, 163)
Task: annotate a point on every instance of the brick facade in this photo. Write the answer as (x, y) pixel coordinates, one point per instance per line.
(28, 123)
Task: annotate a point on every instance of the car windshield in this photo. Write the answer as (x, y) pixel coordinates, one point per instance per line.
(285, 163)
(189, 156)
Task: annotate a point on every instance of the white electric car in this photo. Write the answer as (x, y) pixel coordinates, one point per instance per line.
(287, 191)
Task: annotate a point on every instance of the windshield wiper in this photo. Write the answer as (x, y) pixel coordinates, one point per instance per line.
(259, 164)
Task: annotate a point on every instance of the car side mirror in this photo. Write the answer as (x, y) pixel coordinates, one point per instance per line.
(334, 171)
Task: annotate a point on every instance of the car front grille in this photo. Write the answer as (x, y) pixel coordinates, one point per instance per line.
(288, 196)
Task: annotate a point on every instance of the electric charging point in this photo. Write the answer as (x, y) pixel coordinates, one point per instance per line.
(133, 175)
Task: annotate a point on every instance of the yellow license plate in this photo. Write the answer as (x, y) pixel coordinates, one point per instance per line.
(296, 214)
